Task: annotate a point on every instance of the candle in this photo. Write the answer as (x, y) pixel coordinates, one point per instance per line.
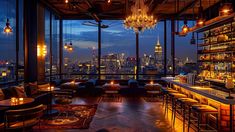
(13, 99)
(21, 99)
(111, 82)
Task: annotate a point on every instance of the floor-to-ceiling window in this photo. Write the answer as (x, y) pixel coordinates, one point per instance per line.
(81, 61)
(118, 58)
(7, 41)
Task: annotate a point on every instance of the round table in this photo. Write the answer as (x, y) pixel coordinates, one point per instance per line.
(9, 103)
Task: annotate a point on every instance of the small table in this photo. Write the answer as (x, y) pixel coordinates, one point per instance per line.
(111, 89)
(70, 85)
(152, 89)
(9, 103)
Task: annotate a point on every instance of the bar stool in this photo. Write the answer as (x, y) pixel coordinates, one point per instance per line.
(166, 99)
(201, 110)
(174, 97)
(184, 104)
(165, 92)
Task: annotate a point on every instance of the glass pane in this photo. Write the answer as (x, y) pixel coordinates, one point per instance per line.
(118, 51)
(81, 61)
(8, 42)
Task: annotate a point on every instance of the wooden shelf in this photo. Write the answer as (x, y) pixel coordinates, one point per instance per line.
(207, 44)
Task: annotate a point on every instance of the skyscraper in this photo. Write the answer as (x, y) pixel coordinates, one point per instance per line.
(158, 55)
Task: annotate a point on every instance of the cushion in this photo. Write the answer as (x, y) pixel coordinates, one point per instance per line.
(33, 88)
(132, 83)
(43, 86)
(20, 92)
(9, 92)
(93, 81)
(2, 96)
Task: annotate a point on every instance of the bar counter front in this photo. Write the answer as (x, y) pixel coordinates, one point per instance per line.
(210, 96)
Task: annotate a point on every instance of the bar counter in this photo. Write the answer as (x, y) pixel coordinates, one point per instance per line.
(213, 97)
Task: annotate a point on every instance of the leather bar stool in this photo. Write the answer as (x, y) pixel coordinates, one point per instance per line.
(174, 97)
(165, 92)
(183, 105)
(166, 99)
(200, 111)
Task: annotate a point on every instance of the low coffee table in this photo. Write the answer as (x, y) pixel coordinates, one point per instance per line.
(111, 90)
(153, 89)
(9, 103)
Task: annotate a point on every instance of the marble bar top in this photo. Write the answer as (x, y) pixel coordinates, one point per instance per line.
(211, 93)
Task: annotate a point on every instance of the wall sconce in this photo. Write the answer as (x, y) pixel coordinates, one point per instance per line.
(41, 50)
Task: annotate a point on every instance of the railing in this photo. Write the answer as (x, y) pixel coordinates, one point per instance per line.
(106, 76)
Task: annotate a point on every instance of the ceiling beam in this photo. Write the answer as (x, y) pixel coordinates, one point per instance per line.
(155, 3)
(93, 14)
(50, 7)
(188, 6)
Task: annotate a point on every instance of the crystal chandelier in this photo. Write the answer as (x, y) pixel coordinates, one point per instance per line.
(139, 20)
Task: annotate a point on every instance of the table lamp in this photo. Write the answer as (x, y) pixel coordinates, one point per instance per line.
(229, 84)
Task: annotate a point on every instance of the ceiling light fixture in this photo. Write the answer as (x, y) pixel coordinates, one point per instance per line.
(200, 21)
(7, 28)
(226, 9)
(185, 28)
(139, 20)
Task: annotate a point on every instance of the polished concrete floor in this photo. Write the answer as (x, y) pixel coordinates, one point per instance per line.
(130, 115)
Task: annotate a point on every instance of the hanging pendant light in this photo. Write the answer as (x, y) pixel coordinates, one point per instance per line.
(7, 28)
(185, 28)
(200, 21)
(226, 9)
(65, 46)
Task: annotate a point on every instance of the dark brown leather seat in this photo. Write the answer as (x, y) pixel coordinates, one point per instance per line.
(23, 118)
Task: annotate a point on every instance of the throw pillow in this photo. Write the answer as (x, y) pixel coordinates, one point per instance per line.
(20, 92)
(33, 88)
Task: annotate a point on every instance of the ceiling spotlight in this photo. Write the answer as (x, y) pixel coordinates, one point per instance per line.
(225, 9)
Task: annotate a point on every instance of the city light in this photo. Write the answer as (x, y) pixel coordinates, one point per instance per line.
(4, 74)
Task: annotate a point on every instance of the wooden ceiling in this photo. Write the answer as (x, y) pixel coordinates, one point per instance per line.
(119, 9)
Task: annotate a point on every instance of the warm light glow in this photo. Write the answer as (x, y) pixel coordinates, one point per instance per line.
(7, 28)
(41, 50)
(226, 9)
(4, 74)
(21, 99)
(13, 99)
(151, 82)
(65, 46)
(66, 1)
(139, 20)
(200, 22)
(185, 29)
(112, 82)
(109, 1)
(73, 82)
